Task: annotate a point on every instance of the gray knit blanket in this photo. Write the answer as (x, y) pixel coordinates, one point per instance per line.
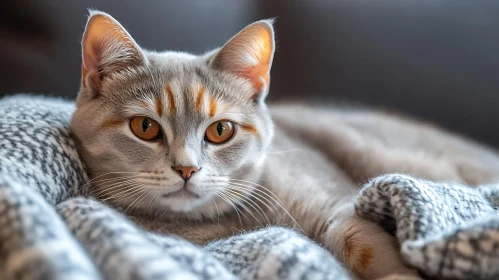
(48, 230)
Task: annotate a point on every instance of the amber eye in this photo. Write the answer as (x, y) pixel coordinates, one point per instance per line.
(219, 132)
(145, 128)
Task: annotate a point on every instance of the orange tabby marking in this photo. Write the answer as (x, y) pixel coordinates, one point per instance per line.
(366, 257)
(159, 106)
(358, 256)
(213, 106)
(111, 123)
(171, 99)
(200, 99)
(250, 128)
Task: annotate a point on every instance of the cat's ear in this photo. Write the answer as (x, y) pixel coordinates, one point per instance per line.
(106, 47)
(249, 55)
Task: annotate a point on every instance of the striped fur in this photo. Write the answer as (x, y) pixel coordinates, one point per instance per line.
(311, 167)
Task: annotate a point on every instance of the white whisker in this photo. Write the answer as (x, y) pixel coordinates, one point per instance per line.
(253, 205)
(256, 195)
(276, 199)
(216, 207)
(222, 196)
(284, 151)
(234, 197)
(133, 202)
(113, 185)
(122, 194)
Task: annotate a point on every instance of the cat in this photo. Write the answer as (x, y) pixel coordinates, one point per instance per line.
(186, 145)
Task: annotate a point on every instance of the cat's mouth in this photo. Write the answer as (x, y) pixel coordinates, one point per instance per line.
(182, 193)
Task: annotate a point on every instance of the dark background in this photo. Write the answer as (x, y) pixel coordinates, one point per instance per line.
(436, 60)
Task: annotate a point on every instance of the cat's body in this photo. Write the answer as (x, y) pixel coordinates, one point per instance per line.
(316, 174)
(296, 166)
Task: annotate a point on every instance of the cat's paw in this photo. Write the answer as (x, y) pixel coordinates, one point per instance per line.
(365, 248)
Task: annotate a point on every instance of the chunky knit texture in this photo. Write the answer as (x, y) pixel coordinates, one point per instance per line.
(445, 230)
(49, 230)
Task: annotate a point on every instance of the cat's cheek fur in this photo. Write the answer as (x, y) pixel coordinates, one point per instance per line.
(135, 150)
(232, 156)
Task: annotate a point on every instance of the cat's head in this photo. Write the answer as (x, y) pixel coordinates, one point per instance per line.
(171, 131)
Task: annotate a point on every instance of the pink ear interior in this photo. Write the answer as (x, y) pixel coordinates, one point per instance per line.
(105, 44)
(249, 54)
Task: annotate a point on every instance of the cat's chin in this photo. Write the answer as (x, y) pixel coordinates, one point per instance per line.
(183, 203)
(182, 193)
(182, 206)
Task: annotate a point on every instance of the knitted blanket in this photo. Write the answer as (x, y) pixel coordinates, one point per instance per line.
(49, 231)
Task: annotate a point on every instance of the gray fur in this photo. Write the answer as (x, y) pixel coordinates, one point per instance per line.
(124, 89)
(305, 177)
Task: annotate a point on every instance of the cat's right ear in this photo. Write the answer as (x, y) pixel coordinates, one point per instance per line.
(249, 55)
(106, 47)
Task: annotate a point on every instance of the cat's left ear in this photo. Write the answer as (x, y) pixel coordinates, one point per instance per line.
(249, 55)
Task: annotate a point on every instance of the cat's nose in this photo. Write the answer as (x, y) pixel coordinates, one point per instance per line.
(185, 171)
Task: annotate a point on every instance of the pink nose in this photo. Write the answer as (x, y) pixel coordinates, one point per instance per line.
(185, 171)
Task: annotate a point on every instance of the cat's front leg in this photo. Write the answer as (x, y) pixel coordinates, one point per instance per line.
(364, 247)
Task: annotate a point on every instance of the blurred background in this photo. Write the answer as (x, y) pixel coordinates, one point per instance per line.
(435, 60)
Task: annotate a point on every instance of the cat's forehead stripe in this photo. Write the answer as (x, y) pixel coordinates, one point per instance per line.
(200, 99)
(171, 99)
(213, 106)
(159, 106)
